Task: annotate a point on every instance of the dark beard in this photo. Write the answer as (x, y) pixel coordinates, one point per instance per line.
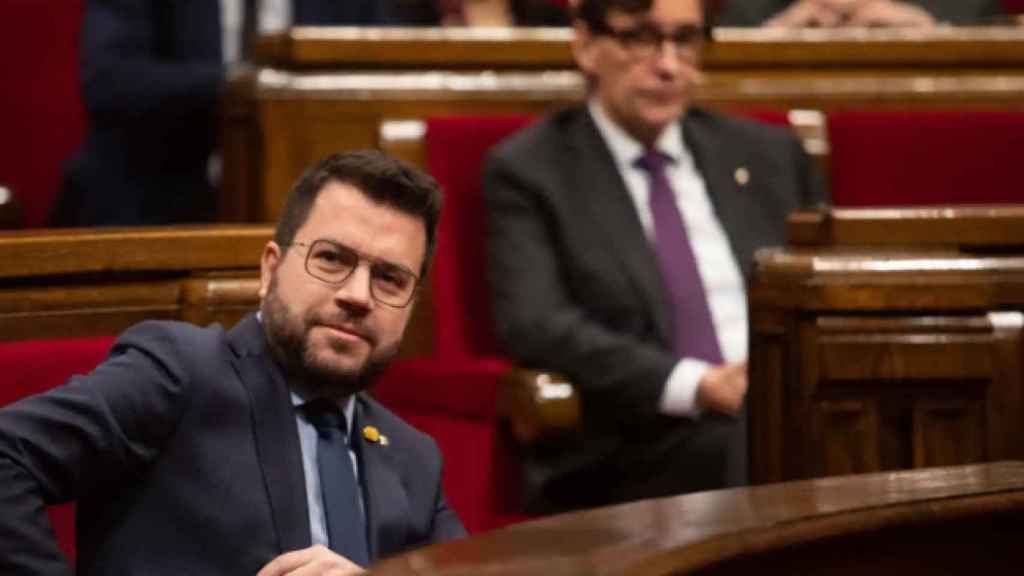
(289, 345)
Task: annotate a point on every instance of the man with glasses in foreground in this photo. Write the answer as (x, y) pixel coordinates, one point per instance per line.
(254, 450)
(620, 234)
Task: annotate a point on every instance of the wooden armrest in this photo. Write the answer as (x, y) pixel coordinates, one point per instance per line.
(537, 404)
(10, 208)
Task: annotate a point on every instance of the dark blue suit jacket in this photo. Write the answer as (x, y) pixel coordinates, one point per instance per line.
(151, 74)
(184, 458)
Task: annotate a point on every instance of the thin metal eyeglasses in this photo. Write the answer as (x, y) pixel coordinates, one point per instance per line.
(645, 41)
(390, 284)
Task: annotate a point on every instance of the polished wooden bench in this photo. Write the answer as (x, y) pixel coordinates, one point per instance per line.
(317, 90)
(958, 520)
(67, 283)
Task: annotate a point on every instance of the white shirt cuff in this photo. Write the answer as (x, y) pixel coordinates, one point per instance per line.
(679, 397)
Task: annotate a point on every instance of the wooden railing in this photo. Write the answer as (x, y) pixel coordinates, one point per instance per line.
(962, 520)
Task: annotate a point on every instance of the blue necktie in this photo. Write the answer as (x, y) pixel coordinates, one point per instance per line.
(346, 531)
(693, 328)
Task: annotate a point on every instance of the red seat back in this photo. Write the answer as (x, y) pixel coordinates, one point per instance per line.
(456, 147)
(1014, 6)
(41, 115)
(925, 157)
(33, 366)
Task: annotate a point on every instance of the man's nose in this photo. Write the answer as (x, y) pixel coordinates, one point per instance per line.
(356, 290)
(668, 57)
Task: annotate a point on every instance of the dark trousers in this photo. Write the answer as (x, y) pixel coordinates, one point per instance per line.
(690, 456)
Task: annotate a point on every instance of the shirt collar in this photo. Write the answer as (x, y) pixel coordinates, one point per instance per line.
(626, 149)
(347, 406)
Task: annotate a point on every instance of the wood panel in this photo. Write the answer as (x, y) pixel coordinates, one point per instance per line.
(323, 89)
(957, 520)
(732, 48)
(65, 283)
(908, 345)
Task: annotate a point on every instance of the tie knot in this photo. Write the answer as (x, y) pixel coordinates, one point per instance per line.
(653, 161)
(325, 416)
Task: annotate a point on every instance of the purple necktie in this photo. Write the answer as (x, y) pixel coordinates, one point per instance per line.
(693, 329)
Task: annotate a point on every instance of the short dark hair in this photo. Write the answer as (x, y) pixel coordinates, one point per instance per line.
(380, 177)
(594, 13)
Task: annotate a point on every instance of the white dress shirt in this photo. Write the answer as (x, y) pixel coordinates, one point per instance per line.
(719, 271)
(275, 15)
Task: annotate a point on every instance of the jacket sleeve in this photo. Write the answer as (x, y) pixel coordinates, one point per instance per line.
(539, 322)
(447, 525)
(124, 75)
(91, 433)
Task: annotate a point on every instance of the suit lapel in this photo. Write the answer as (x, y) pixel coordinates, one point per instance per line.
(718, 165)
(275, 433)
(600, 190)
(387, 503)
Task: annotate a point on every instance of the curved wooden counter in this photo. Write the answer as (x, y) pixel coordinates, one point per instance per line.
(954, 520)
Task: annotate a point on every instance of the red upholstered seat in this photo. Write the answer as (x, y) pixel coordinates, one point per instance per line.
(42, 117)
(456, 148)
(33, 366)
(1014, 6)
(452, 395)
(455, 403)
(925, 157)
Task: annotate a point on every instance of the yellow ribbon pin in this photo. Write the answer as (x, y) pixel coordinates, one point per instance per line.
(373, 435)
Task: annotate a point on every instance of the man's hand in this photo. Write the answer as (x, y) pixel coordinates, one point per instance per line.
(722, 388)
(808, 13)
(891, 14)
(314, 561)
(835, 13)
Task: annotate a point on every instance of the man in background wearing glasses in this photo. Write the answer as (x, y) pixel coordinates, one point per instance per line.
(620, 234)
(249, 451)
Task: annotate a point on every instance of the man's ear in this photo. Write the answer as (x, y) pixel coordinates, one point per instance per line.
(269, 261)
(584, 49)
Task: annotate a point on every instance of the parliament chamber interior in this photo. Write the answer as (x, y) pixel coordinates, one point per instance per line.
(886, 337)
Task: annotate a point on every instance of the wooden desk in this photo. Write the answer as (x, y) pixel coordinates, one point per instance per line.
(67, 283)
(318, 90)
(963, 520)
(888, 339)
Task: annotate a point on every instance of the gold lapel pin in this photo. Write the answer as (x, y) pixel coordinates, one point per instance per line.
(742, 176)
(373, 435)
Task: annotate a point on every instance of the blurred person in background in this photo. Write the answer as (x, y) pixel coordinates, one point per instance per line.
(620, 233)
(152, 73)
(484, 13)
(836, 13)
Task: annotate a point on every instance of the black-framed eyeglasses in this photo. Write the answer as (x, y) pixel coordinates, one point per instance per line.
(333, 263)
(645, 41)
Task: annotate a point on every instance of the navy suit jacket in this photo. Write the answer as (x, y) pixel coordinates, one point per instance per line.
(151, 74)
(183, 455)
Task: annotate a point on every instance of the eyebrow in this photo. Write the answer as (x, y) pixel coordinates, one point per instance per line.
(374, 259)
